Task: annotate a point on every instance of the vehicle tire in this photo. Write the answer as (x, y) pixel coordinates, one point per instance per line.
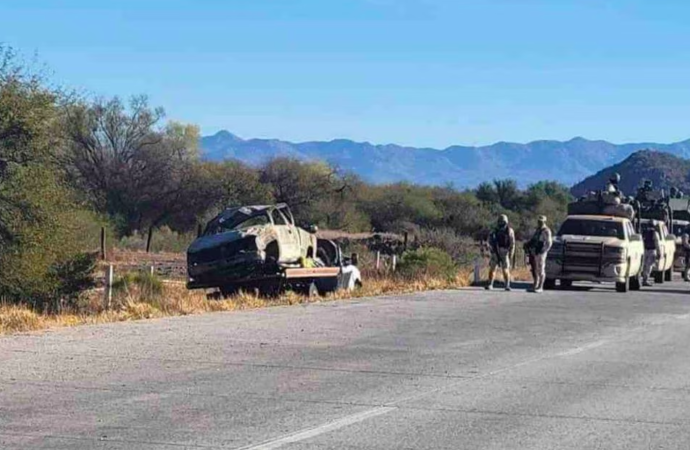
(550, 283)
(658, 277)
(624, 286)
(311, 290)
(668, 275)
(635, 283)
(566, 284)
(269, 289)
(228, 291)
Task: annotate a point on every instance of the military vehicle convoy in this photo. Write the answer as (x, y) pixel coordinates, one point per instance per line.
(601, 240)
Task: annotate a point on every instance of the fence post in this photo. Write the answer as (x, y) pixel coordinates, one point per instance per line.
(103, 251)
(148, 240)
(378, 259)
(394, 262)
(405, 238)
(477, 270)
(108, 294)
(153, 270)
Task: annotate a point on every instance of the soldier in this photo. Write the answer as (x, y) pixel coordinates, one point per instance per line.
(502, 243)
(612, 186)
(539, 247)
(644, 191)
(652, 251)
(685, 242)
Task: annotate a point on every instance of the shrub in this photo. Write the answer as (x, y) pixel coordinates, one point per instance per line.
(461, 249)
(141, 286)
(429, 262)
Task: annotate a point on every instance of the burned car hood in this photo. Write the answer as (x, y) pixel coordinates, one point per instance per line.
(215, 240)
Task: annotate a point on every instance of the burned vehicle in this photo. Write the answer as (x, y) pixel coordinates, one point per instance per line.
(261, 247)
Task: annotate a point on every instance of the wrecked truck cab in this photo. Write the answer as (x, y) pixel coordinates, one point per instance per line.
(247, 242)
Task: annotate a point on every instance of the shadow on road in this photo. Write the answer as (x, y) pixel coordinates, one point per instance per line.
(666, 291)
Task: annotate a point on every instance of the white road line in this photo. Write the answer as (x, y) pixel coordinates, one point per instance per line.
(325, 428)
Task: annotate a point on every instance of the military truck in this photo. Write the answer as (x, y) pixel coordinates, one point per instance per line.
(596, 248)
(681, 221)
(658, 210)
(663, 269)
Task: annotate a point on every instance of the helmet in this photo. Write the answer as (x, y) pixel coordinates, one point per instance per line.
(503, 219)
(615, 178)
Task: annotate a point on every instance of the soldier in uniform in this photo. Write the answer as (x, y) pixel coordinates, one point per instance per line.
(539, 247)
(685, 244)
(612, 185)
(652, 251)
(502, 243)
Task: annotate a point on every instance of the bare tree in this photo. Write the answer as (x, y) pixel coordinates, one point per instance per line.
(128, 166)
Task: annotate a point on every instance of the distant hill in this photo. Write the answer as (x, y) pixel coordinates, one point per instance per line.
(568, 162)
(665, 171)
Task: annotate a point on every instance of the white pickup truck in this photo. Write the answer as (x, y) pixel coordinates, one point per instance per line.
(596, 248)
(679, 227)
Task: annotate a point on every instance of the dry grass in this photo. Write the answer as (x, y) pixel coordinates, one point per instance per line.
(176, 300)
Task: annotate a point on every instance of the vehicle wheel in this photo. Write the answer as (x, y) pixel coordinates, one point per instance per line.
(550, 283)
(228, 291)
(624, 286)
(310, 290)
(668, 275)
(269, 289)
(566, 284)
(327, 285)
(658, 277)
(635, 283)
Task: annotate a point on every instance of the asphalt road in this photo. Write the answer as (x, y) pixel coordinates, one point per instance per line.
(447, 370)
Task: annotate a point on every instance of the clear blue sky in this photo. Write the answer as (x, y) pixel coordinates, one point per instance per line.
(417, 72)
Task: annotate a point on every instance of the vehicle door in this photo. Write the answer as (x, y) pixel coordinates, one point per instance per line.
(635, 247)
(288, 240)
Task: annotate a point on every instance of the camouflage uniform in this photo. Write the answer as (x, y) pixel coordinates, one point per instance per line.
(652, 252)
(542, 244)
(502, 242)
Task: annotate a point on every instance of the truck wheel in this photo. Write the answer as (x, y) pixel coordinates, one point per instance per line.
(550, 283)
(310, 290)
(566, 284)
(228, 291)
(668, 275)
(624, 286)
(658, 277)
(635, 283)
(269, 289)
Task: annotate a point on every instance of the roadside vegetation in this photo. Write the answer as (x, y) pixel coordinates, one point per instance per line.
(71, 164)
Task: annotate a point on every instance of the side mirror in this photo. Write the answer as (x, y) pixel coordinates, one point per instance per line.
(313, 229)
(636, 238)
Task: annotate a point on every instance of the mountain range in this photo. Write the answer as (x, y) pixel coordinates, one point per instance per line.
(662, 169)
(568, 162)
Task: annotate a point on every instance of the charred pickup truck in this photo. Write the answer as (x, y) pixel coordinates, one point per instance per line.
(260, 247)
